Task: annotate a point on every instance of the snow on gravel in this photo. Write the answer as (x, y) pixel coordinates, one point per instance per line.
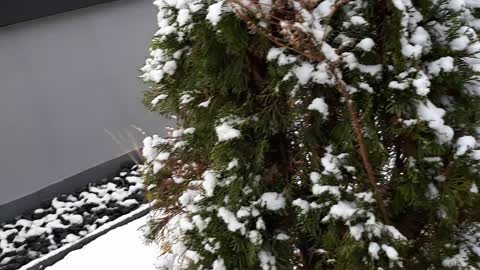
(120, 249)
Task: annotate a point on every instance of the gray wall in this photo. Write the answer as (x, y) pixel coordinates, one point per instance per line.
(64, 80)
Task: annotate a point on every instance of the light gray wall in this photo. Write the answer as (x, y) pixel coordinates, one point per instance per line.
(64, 80)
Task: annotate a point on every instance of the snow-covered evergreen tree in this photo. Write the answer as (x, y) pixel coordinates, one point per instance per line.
(328, 134)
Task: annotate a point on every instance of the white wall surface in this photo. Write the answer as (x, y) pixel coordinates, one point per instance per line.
(64, 80)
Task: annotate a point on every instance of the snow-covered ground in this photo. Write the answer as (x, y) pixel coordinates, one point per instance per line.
(120, 249)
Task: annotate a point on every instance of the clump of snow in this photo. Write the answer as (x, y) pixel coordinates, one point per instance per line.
(209, 182)
(219, 264)
(188, 197)
(373, 249)
(232, 164)
(273, 53)
(129, 202)
(158, 99)
(329, 52)
(282, 58)
(366, 44)
(183, 16)
(458, 260)
(422, 84)
(255, 237)
(226, 132)
(475, 155)
(391, 252)
(464, 144)
(302, 204)
(231, 220)
(169, 67)
(432, 191)
(282, 237)
(162, 156)
(315, 177)
(343, 210)
(303, 72)
(215, 13)
(474, 188)
(190, 130)
(428, 112)
(331, 162)
(260, 224)
(445, 64)
(356, 231)
(70, 238)
(352, 63)
(398, 85)
(410, 122)
(319, 105)
(357, 20)
(366, 87)
(186, 98)
(267, 260)
(272, 201)
(73, 219)
(205, 103)
(320, 189)
(460, 43)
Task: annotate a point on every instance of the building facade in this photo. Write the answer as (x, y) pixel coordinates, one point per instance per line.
(70, 96)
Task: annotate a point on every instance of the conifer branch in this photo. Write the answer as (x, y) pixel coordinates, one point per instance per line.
(305, 46)
(357, 127)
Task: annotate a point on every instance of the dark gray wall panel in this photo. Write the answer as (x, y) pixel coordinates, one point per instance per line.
(15, 11)
(64, 81)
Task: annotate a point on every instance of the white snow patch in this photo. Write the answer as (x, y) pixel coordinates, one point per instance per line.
(219, 264)
(267, 260)
(104, 252)
(320, 189)
(391, 252)
(209, 182)
(422, 84)
(420, 37)
(460, 43)
(373, 249)
(231, 220)
(120, 249)
(343, 210)
(232, 164)
(73, 219)
(474, 188)
(464, 144)
(357, 20)
(428, 112)
(205, 103)
(366, 44)
(319, 105)
(302, 204)
(445, 64)
(303, 72)
(158, 99)
(356, 231)
(225, 132)
(315, 177)
(273, 201)
(215, 12)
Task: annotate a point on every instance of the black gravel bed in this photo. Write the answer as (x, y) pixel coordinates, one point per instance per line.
(68, 218)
